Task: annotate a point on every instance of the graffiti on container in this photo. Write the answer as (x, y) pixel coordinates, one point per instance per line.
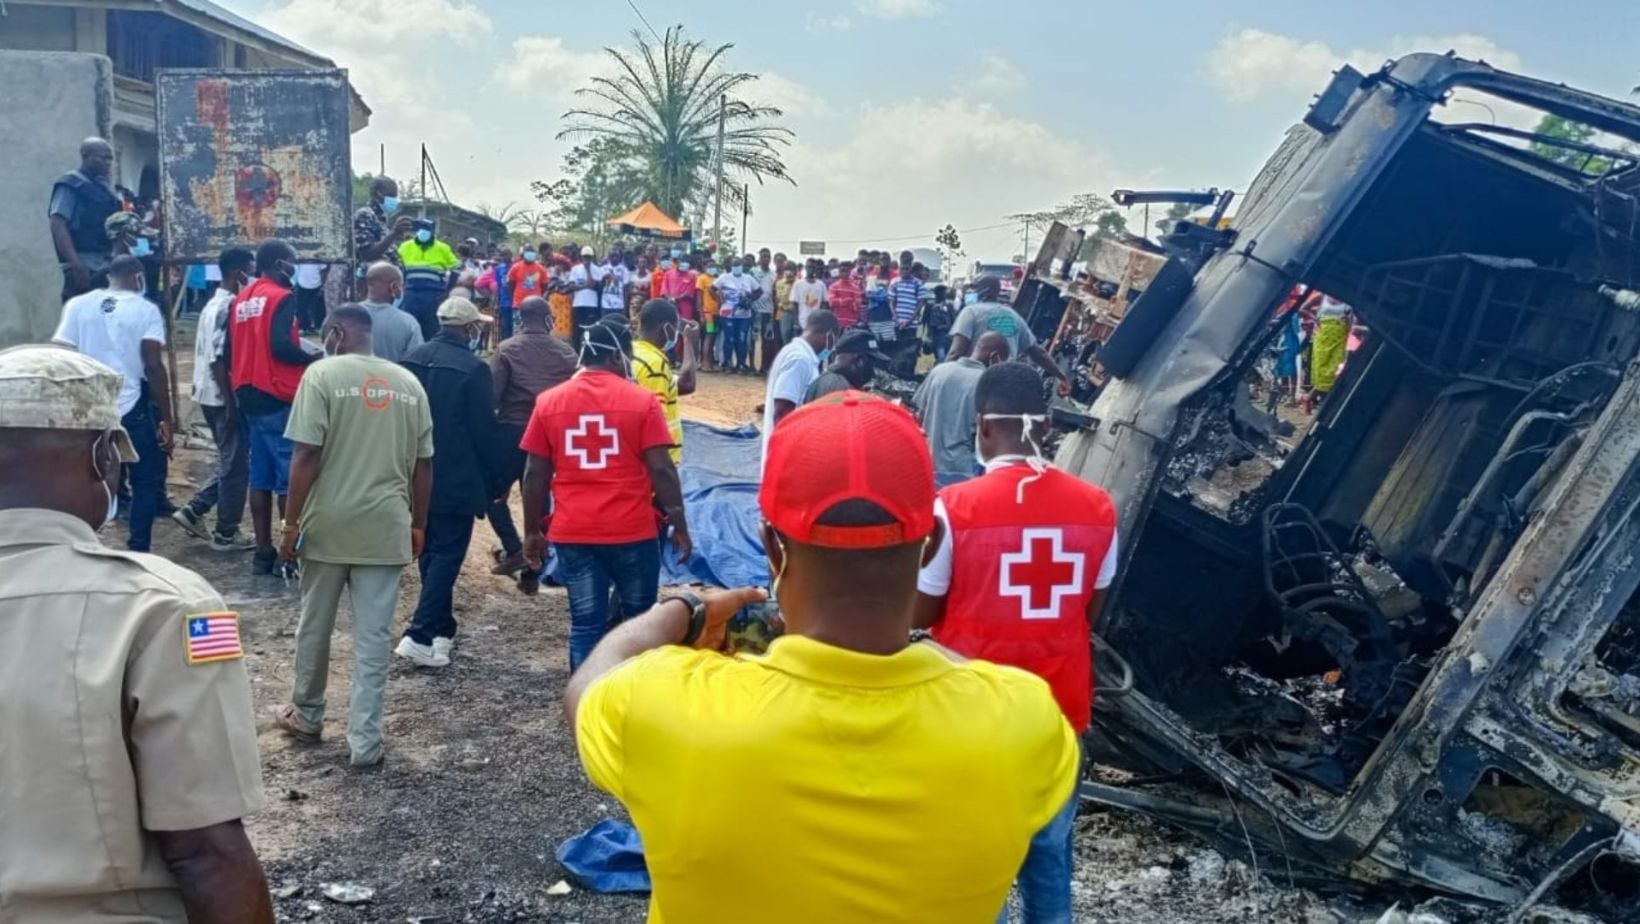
(246, 156)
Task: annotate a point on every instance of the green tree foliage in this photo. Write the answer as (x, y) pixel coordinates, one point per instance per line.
(597, 181)
(1553, 126)
(656, 122)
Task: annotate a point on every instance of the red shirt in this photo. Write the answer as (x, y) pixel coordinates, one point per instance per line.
(844, 299)
(1022, 573)
(526, 280)
(655, 283)
(594, 429)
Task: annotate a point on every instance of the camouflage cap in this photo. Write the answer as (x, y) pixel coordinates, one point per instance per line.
(55, 388)
(120, 224)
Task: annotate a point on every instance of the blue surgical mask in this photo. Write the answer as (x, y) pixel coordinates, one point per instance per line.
(666, 264)
(672, 341)
(424, 236)
(676, 254)
(711, 271)
(142, 248)
(529, 256)
(390, 204)
(970, 298)
(738, 270)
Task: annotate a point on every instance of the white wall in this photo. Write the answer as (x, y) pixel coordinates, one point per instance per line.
(37, 28)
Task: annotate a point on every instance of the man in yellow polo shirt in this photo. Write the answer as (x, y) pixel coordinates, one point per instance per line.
(659, 330)
(889, 781)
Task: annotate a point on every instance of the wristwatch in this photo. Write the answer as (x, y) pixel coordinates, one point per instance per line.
(697, 615)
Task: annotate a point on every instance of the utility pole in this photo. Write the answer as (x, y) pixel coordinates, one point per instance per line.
(745, 215)
(717, 214)
(422, 194)
(382, 170)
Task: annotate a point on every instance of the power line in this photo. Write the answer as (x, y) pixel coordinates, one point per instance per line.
(645, 20)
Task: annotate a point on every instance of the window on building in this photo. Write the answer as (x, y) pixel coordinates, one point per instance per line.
(141, 42)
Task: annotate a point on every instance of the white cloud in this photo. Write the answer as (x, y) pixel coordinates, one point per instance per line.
(791, 97)
(897, 9)
(545, 65)
(994, 76)
(912, 166)
(1252, 64)
(818, 22)
(383, 44)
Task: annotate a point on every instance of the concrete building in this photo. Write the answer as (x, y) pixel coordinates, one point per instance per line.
(72, 68)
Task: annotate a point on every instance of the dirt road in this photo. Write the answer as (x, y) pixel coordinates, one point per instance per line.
(481, 782)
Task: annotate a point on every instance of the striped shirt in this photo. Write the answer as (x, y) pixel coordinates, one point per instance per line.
(905, 294)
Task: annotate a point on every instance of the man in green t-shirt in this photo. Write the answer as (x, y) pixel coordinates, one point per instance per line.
(359, 484)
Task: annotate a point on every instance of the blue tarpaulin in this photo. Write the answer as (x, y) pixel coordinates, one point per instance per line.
(720, 473)
(608, 857)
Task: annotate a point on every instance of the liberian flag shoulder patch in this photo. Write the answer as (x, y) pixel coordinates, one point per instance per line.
(209, 637)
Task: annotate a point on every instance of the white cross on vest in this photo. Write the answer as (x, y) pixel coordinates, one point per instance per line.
(592, 442)
(1041, 574)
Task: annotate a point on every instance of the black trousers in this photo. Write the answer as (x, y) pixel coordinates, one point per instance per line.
(310, 308)
(512, 469)
(441, 556)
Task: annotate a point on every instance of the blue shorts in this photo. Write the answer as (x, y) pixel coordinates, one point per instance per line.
(269, 451)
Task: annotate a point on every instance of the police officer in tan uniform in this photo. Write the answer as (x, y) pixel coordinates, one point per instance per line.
(127, 743)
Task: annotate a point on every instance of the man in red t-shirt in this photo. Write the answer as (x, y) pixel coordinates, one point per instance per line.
(843, 298)
(599, 445)
(1016, 580)
(528, 277)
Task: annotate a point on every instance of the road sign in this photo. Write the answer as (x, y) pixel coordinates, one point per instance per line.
(811, 248)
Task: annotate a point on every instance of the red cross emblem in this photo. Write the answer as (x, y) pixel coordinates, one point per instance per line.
(1042, 573)
(592, 442)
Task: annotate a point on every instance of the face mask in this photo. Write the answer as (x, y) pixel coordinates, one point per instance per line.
(671, 340)
(332, 350)
(738, 270)
(1038, 464)
(424, 236)
(390, 204)
(711, 271)
(970, 298)
(825, 354)
(529, 256)
(142, 248)
(474, 340)
(785, 559)
(100, 470)
(676, 254)
(666, 264)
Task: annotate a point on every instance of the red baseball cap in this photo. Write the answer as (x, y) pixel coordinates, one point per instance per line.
(845, 446)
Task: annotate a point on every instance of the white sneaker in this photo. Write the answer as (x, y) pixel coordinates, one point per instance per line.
(442, 648)
(420, 655)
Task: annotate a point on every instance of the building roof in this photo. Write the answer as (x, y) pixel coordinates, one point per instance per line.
(229, 18)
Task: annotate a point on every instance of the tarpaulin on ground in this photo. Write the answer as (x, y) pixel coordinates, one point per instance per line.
(720, 479)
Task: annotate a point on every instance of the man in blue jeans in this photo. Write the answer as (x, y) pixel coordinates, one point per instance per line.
(600, 445)
(119, 327)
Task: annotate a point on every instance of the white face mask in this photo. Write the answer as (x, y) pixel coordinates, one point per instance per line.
(98, 467)
(1038, 464)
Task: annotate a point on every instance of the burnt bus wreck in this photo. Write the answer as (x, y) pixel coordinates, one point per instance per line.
(1398, 639)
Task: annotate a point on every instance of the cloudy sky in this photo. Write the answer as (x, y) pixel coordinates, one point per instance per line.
(913, 113)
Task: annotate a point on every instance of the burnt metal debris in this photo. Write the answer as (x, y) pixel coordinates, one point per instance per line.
(1394, 638)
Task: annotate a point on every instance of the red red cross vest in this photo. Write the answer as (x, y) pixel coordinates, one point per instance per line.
(1022, 574)
(250, 321)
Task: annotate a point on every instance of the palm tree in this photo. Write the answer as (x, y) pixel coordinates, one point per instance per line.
(661, 110)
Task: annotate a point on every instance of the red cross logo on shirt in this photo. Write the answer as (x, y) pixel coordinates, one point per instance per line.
(592, 442)
(1041, 574)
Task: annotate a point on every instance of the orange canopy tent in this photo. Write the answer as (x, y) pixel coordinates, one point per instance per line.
(648, 220)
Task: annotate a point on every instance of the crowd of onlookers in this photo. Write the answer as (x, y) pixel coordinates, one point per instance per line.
(382, 438)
